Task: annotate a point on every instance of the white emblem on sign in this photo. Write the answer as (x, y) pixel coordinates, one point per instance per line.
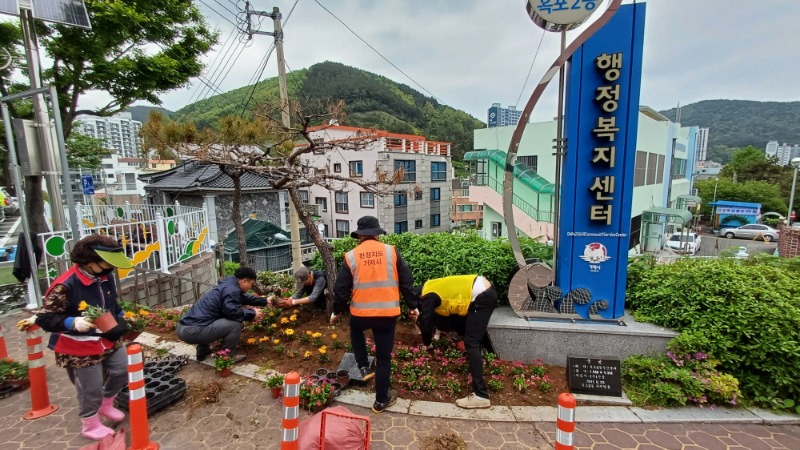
(595, 253)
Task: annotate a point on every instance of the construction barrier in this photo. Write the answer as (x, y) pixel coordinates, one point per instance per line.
(565, 425)
(291, 411)
(3, 349)
(40, 397)
(137, 404)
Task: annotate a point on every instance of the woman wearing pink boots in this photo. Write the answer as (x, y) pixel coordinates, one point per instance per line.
(79, 346)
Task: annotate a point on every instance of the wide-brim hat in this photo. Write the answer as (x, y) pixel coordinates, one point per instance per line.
(114, 256)
(368, 226)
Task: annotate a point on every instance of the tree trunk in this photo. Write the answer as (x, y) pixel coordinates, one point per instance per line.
(325, 249)
(236, 216)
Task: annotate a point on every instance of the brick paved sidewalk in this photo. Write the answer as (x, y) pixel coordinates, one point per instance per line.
(246, 417)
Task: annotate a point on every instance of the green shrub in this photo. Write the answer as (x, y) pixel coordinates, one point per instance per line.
(746, 314)
(230, 267)
(435, 255)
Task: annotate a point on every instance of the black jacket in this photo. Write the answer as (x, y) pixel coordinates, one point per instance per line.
(224, 301)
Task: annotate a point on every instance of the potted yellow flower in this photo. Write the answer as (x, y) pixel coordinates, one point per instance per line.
(102, 319)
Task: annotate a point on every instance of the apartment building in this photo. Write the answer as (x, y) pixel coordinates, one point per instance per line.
(466, 213)
(500, 117)
(119, 133)
(420, 203)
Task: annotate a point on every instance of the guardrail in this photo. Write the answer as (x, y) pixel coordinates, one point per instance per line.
(172, 235)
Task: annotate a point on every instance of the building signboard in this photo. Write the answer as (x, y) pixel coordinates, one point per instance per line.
(597, 190)
(557, 15)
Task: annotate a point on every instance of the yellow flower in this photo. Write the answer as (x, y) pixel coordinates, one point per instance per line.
(144, 313)
(288, 332)
(334, 336)
(263, 339)
(251, 341)
(82, 305)
(276, 341)
(316, 335)
(307, 354)
(284, 320)
(309, 332)
(272, 314)
(129, 314)
(323, 350)
(293, 317)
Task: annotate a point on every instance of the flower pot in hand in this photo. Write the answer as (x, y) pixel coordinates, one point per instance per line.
(105, 322)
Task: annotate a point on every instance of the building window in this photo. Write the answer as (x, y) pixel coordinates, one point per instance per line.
(322, 202)
(436, 194)
(640, 172)
(531, 162)
(660, 169)
(400, 227)
(367, 200)
(418, 224)
(356, 168)
(438, 171)
(464, 208)
(652, 159)
(341, 202)
(304, 197)
(400, 198)
(418, 195)
(435, 220)
(337, 168)
(342, 228)
(409, 169)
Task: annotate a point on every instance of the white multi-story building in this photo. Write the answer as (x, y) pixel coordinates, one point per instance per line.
(772, 149)
(119, 133)
(421, 203)
(500, 117)
(784, 152)
(702, 144)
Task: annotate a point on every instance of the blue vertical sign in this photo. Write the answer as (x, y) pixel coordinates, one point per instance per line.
(597, 182)
(88, 184)
(494, 116)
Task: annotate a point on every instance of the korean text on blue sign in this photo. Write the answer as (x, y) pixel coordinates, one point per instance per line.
(597, 191)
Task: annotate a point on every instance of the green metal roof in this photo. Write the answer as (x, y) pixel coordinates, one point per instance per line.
(523, 173)
(260, 234)
(684, 215)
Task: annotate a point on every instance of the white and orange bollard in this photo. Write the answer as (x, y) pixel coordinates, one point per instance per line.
(3, 349)
(291, 411)
(565, 425)
(40, 397)
(137, 404)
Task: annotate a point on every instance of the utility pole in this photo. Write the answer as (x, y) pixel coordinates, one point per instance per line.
(50, 169)
(294, 220)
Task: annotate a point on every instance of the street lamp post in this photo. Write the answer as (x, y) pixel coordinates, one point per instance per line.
(795, 162)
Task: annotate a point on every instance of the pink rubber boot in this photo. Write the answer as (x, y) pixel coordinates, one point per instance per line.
(93, 429)
(108, 411)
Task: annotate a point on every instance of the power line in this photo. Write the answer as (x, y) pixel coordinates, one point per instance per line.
(218, 13)
(377, 52)
(530, 68)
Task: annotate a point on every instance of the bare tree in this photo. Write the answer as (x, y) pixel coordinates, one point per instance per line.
(288, 155)
(234, 146)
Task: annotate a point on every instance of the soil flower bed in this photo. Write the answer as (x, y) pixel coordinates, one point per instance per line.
(301, 340)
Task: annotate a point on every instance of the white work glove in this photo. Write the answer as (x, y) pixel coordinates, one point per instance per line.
(82, 325)
(334, 318)
(413, 315)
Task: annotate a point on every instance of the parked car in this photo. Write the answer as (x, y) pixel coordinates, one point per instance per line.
(684, 243)
(751, 231)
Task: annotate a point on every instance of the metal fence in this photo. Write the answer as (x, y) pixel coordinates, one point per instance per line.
(155, 237)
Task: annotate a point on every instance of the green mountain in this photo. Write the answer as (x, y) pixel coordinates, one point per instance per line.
(739, 123)
(372, 101)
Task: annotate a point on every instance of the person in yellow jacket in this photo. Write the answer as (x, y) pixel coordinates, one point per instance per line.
(372, 277)
(473, 298)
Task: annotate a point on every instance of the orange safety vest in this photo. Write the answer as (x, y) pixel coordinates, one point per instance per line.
(375, 290)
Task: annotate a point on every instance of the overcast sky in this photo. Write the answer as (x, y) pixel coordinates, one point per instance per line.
(472, 53)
